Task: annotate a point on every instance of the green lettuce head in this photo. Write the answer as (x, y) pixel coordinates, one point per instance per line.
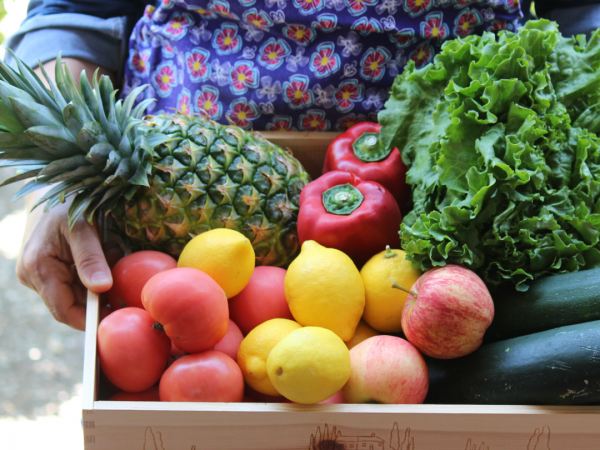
(499, 134)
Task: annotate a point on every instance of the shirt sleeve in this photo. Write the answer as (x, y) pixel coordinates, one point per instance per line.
(91, 30)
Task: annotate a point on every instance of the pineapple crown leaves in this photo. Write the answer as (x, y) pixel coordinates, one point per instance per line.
(76, 138)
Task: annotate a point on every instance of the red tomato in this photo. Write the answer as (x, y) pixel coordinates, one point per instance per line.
(114, 299)
(262, 299)
(175, 354)
(202, 377)
(176, 351)
(131, 273)
(133, 353)
(151, 395)
(190, 305)
(230, 344)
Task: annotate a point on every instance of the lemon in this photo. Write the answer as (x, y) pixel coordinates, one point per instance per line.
(384, 304)
(362, 333)
(254, 351)
(324, 288)
(309, 365)
(225, 255)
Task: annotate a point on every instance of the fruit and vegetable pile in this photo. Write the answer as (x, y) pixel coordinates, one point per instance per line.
(448, 254)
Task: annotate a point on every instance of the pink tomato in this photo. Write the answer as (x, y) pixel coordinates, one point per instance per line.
(202, 377)
(231, 342)
(131, 273)
(262, 299)
(191, 307)
(133, 353)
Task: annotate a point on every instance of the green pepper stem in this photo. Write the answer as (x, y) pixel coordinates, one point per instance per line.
(368, 148)
(342, 199)
(371, 142)
(408, 291)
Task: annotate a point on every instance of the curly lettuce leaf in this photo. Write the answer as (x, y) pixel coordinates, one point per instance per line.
(499, 134)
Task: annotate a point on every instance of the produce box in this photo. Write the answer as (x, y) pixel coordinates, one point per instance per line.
(264, 426)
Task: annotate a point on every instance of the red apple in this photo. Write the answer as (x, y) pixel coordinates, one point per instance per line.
(202, 377)
(449, 314)
(231, 342)
(334, 399)
(262, 299)
(386, 369)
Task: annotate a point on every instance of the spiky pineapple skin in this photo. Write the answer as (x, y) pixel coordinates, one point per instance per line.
(214, 176)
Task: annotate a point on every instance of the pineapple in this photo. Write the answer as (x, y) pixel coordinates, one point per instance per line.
(159, 179)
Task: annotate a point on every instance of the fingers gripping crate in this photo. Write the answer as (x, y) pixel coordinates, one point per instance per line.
(262, 426)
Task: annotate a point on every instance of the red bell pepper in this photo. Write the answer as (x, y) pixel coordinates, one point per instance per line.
(359, 151)
(340, 210)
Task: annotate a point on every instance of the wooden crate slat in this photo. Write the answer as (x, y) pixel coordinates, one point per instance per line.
(295, 430)
(90, 366)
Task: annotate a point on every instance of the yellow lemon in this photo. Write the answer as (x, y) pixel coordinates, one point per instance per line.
(309, 365)
(384, 304)
(324, 288)
(254, 351)
(225, 255)
(362, 333)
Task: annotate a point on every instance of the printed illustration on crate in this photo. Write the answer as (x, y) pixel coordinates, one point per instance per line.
(540, 440)
(471, 446)
(334, 440)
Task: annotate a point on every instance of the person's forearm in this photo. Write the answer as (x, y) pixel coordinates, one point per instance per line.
(52, 248)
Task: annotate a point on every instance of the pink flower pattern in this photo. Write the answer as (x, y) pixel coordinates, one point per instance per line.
(197, 64)
(178, 26)
(242, 113)
(138, 62)
(294, 64)
(314, 120)
(422, 55)
(206, 102)
(165, 78)
(466, 22)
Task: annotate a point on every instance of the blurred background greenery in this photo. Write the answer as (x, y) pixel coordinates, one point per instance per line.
(2, 16)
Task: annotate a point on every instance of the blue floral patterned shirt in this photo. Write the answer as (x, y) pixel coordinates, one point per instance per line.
(311, 65)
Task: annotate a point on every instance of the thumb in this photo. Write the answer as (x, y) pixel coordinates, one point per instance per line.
(89, 258)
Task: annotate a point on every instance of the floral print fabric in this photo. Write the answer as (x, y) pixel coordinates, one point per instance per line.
(310, 65)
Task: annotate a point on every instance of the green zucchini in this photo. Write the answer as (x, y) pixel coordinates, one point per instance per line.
(550, 302)
(553, 367)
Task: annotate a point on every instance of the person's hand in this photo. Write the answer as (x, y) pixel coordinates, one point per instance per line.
(60, 264)
(57, 263)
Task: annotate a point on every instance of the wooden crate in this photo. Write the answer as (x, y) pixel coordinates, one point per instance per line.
(259, 426)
